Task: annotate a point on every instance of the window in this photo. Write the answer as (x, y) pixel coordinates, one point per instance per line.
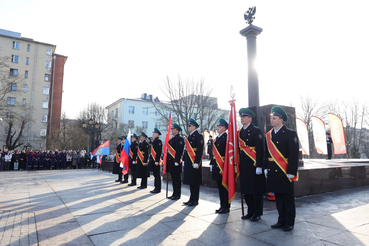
(10, 115)
(49, 51)
(13, 72)
(48, 64)
(43, 132)
(157, 125)
(145, 124)
(16, 45)
(47, 77)
(145, 111)
(45, 104)
(112, 114)
(116, 113)
(131, 110)
(26, 74)
(131, 123)
(28, 47)
(27, 60)
(12, 86)
(15, 58)
(46, 90)
(11, 100)
(156, 112)
(44, 118)
(25, 88)
(24, 102)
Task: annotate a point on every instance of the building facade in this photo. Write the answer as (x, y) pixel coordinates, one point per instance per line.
(38, 73)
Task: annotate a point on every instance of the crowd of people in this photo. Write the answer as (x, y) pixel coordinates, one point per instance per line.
(45, 160)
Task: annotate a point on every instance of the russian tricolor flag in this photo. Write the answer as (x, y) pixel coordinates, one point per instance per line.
(124, 155)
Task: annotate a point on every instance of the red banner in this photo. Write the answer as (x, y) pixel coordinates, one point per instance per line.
(319, 134)
(231, 164)
(337, 134)
(166, 145)
(303, 134)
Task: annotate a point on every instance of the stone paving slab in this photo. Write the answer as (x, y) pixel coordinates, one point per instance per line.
(86, 207)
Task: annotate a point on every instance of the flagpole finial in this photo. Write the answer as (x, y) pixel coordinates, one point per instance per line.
(233, 94)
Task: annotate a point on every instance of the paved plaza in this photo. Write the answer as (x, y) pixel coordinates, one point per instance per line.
(86, 207)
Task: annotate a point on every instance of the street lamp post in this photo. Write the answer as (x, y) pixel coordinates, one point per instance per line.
(90, 126)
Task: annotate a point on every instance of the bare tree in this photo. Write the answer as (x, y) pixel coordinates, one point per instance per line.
(188, 99)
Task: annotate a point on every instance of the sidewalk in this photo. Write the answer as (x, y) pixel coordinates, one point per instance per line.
(86, 207)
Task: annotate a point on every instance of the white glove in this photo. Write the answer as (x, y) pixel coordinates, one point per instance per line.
(266, 173)
(156, 163)
(259, 170)
(176, 164)
(196, 165)
(121, 165)
(290, 176)
(133, 162)
(211, 168)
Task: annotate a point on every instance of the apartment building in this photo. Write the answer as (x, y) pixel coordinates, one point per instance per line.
(37, 91)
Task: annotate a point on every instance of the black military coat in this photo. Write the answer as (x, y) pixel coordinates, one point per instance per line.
(116, 165)
(141, 169)
(287, 143)
(220, 144)
(133, 149)
(177, 143)
(193, 176)
(158, 147)
(250, 182)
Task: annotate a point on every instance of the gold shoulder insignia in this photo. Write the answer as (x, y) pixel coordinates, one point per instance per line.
(180, 142)
(295, 139)
(202, 141)
(159, 144)
(260, 136)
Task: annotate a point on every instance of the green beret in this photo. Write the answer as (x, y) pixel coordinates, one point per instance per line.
(157, 131)
(119, 138)
(176, 126)
(278, 111)
(222, 122)
(124, 137)
(135, 136)
(246, 112)
(143, 134)
(193, 122)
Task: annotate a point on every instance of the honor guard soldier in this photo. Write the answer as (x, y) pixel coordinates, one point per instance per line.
(142, 157)
(125, 177)
(192, 162)
(251, 144)
(156, 148)
(133, 159)
(116, 167)
(217, 164)
(174, 167)
(282, 162)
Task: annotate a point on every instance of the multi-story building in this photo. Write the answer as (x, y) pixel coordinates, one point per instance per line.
(38, 72)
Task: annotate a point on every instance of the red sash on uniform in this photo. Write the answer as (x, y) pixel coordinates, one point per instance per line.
(249, 151)
(218, 158)
(117, 157)
(277, 156)
(130, 153)
(140, 155)
(171, 151)
(191, 153)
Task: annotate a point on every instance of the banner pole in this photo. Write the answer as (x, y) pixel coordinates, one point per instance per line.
(243, 210)
(167, 187)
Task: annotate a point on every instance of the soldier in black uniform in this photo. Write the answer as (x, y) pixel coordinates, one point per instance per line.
(125, 177)
(217, 164)
(280, 181)
(116, 167)
(142, 171)
(210, 146)
(192, 165)
(251, 144)
(133, 159)
(174, 166)
(155, 150)
(329, 145)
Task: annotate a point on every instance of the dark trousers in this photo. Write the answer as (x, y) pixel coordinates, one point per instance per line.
(120, 175)
(157, 180)
(126, 177)
(133, 174)
(329, 147)
(176, 182)
(286, 209)
(223, 195)
(144, 182)
(254, 204)
(195, 193)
